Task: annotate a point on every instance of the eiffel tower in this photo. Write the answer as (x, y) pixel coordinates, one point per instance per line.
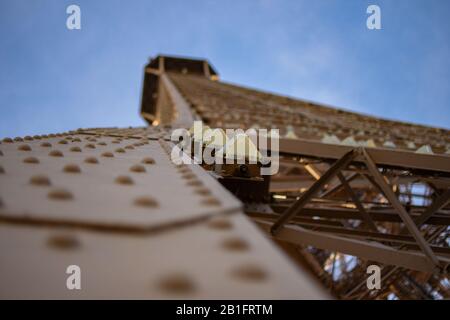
(352, 191)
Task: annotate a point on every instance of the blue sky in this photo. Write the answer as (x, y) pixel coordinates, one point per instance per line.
(53, 79)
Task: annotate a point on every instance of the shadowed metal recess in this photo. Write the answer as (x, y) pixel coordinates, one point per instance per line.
(351, 191)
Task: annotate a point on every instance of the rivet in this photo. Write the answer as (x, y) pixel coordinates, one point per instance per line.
(55, 153)
(8, 140)
(63, 241)
(92, 160)
(62, 142)
(120, 150)
(203, 191)
(235, 244)
(107, 154)
(188, 176)
(60, 194)
(184, 170)
(219, 223)
(46, 144)
(148, 160)
(249, 272)
(31, 160)
(194, 183)
(24, 147)
(176, 284)
(124, 180)
(90, 146)
(40, 180)
(137, 168)
(75, 149)
(72, 168)
(146, 201)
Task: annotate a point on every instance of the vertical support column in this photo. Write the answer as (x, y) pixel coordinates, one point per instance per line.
(206, 69)
(161, 64)
(184, 117)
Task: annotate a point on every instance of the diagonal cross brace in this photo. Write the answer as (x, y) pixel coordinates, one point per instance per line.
(296, 207)
(437, 204)
(367, 219)
(338, 186)
(392, 198)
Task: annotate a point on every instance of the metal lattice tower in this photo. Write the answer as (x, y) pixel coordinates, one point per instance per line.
(352, 190)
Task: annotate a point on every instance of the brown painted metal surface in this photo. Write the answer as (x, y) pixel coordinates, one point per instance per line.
(111, 200)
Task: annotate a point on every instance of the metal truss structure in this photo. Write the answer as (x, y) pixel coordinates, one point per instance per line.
(352, 191)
